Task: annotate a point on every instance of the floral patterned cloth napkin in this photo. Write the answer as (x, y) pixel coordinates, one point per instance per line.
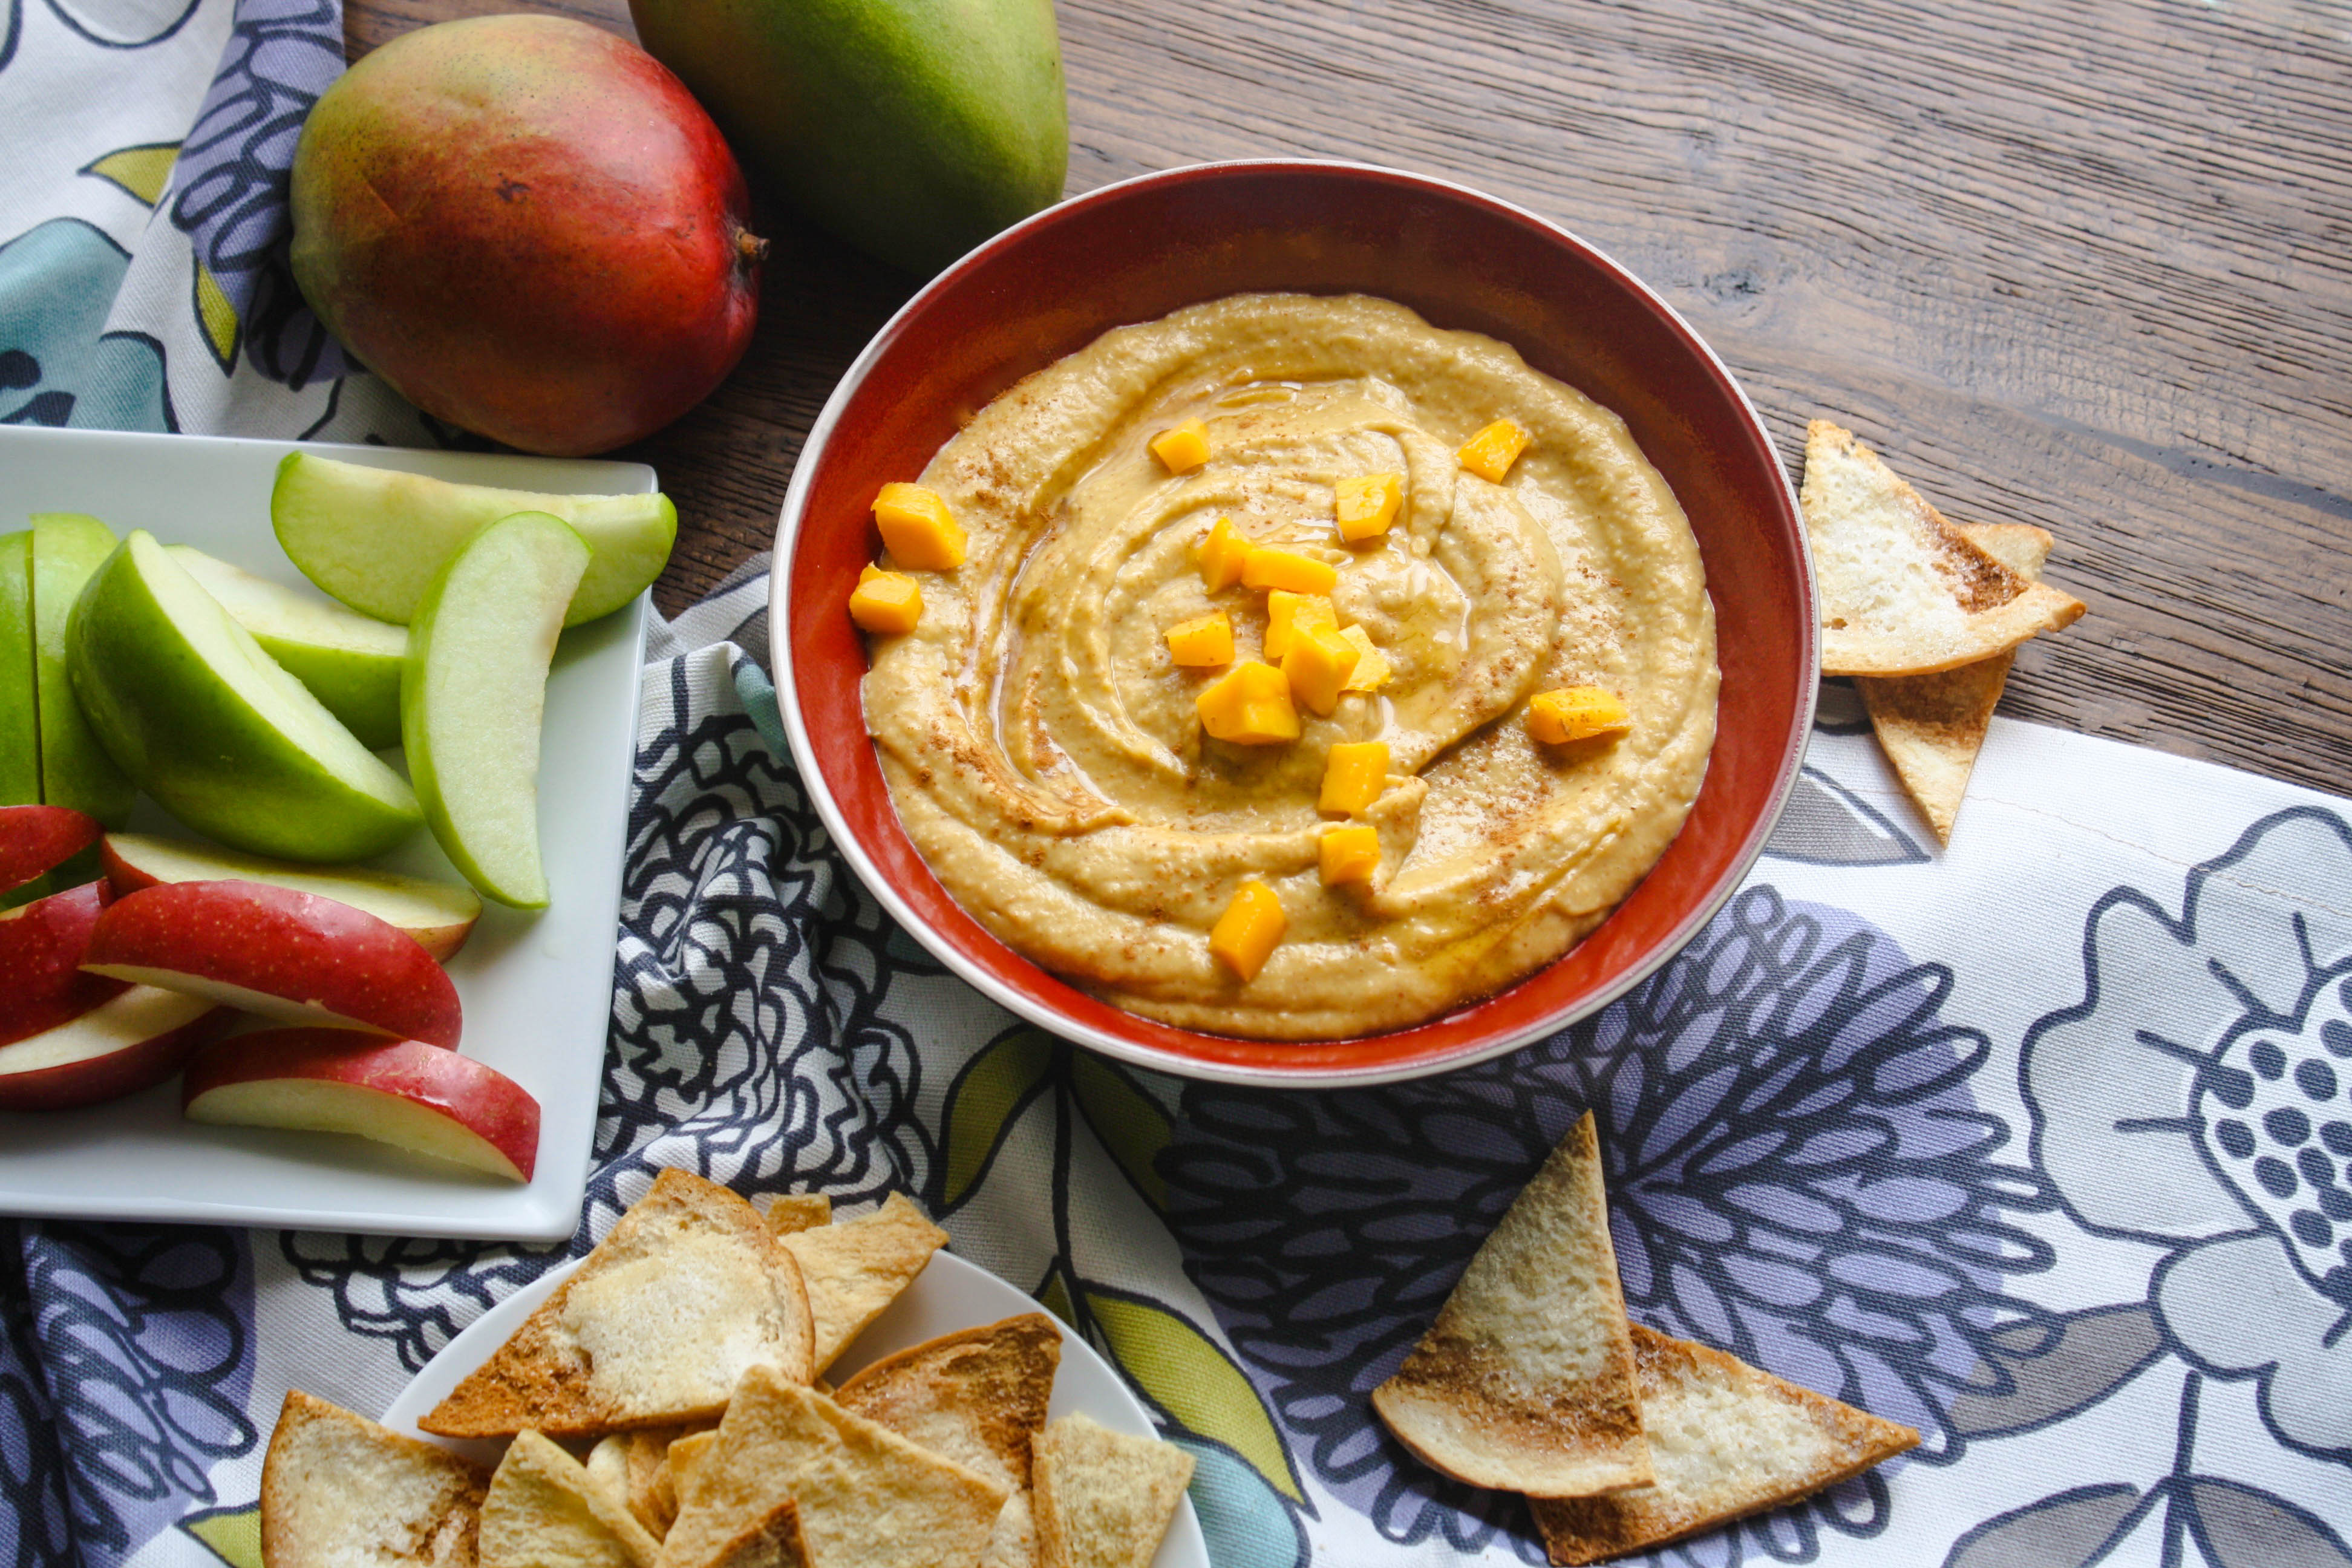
(2039, 1144)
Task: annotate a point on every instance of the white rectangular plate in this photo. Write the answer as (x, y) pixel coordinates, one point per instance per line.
(537, 988)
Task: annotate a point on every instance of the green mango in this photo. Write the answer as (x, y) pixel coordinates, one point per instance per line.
(913, 129)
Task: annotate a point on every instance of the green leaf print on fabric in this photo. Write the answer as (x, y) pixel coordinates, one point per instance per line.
(983, 1100)
(234, 1534)
(56, 365)
(1132, 1127)
(1188, 1376)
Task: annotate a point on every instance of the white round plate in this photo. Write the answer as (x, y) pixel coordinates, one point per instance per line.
(950, 1294)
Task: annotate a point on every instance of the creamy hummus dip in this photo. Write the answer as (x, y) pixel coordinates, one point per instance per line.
(1045, 753)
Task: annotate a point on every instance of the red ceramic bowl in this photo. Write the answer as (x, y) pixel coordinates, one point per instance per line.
(1135, 251)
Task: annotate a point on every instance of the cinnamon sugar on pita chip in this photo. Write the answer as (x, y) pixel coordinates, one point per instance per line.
(690, 1257)
(1525, 1381)
(854, 1269)
(1902, 592)
(978, 1396)
(338, 1487)
(771, 1540)
(1932, 726)
(544, 1510)
(1726, 1440)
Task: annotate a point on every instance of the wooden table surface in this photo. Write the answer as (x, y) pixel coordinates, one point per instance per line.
(2087, 266)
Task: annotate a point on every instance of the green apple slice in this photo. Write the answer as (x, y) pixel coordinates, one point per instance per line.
(350, 662)
(20, 729)
(208, 724)
(374, 537)
(474, 694)
(74, 768)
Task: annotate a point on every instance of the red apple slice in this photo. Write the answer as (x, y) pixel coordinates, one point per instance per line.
(41, 948)
(38, 839)
(407, 1093)
(129, 1038)
(277, 952)
(439, 915)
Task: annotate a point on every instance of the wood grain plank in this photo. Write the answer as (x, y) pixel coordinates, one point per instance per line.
(2086, 263)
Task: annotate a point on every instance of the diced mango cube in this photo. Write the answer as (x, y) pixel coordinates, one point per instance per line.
(885, 602)
(1576, 714)
(917, 529)
(1490, 453)
(1318, 667)
(1250, 706)
(1353, 774)
(1183, 447)
(1287, 569)
(1367, 504)
(1349, 854)
(1202, 643)
(1245, 935)
(1222, 555)
(1373, 666)
(1287, 614)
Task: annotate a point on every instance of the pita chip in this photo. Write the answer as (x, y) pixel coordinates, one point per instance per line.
(855, 1269)
(631, 1466)
(771, 1540)
(685, 1292)
(678, 1468)
(979, 1397)
(1932, 726)
(976, 1396)
(867, 1496)
(1902, 592)
(1105, 1499)
(1727, 1440)
(793, 1212)
(1525, 1381)
(1013, 1543)
(544, 1511)
(339, 1489)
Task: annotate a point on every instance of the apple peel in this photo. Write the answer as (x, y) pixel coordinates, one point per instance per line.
(35, 839)
(277, 952)
(130, 1040)
(439, 915)
(409, 1094)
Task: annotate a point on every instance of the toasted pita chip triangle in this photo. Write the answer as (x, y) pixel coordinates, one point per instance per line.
(677, 1468)
(1525, 1381)
(336, 1489)
(1012, 1542)
(1104, 1499)
(688, 1289)
(1727, 1441)
(793, 1212)
(1931, 726)
(868, 1497)
(855, 1269)
(976, 1396)
(544, 1511)
(1903, 593)
(632, 1467)
(771, 1540)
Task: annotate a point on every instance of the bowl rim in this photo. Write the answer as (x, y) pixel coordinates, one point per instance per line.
(812, 774)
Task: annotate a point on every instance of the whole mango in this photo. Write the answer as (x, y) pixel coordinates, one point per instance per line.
(530, 228)
(913, 129)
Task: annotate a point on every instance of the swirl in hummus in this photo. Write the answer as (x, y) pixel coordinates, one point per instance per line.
(1044, 751)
